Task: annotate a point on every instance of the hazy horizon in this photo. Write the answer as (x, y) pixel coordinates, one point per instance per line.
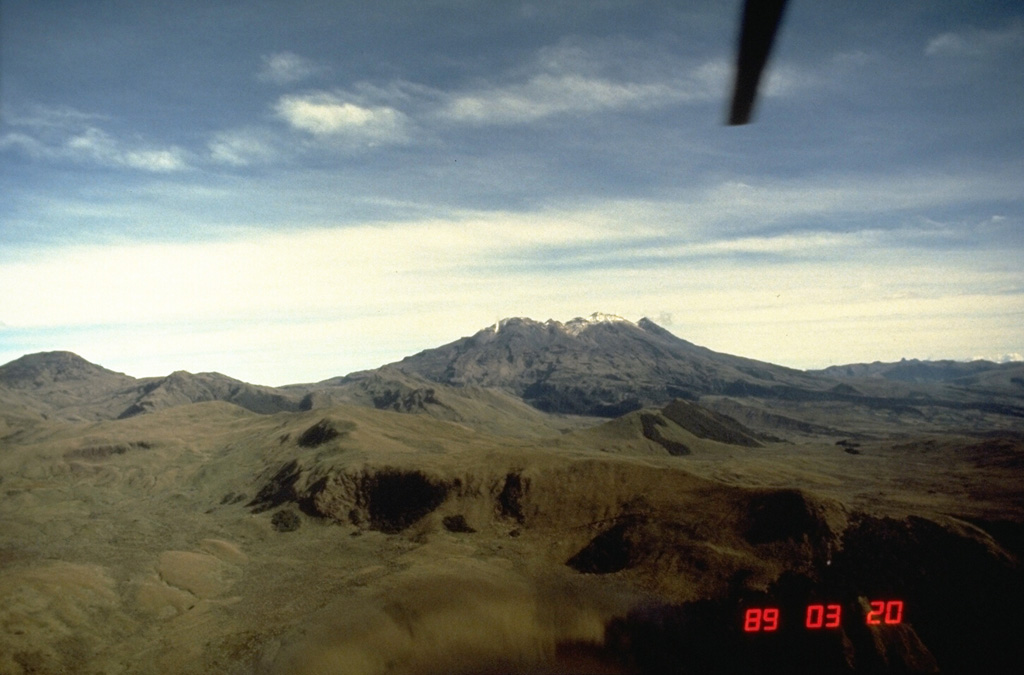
(1007, 358)
(284, 193)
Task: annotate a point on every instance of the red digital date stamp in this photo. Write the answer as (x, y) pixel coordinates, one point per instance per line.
(822, 616)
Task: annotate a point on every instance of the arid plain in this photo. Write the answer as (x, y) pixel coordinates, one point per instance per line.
(595, 496)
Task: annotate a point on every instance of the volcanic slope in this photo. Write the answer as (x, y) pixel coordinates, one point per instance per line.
(603, 365)
(606, 366)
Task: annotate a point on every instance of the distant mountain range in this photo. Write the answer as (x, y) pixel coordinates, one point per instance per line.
(599, 366)
(66, 386)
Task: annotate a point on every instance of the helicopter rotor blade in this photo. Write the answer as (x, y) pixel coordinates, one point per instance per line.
(761, 20)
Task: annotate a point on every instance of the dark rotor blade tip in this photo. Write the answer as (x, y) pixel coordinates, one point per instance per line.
(761, 20)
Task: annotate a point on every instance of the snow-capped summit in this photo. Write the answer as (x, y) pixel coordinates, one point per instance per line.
(573, 327)
(511, 320)
(579, 324)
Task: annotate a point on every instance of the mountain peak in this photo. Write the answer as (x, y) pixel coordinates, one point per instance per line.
(50, 367)
(580, 324)
(600, 365)
(572, 327)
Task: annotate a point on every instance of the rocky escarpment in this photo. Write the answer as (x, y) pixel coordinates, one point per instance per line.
(706, 550)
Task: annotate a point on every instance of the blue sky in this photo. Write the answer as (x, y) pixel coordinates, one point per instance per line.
(285, 192)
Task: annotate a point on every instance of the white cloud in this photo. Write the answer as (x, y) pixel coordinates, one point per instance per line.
(66, 134)
(976, 41)
(330, 114)
(286, 68)
(154, 160)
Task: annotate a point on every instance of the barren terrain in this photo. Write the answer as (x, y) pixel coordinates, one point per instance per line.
(401, 525)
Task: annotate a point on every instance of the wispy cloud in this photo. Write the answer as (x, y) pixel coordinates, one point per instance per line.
(241, 147)
(775, 204)
(286, 68)
(976, 42)
(579, 79)
(548, 94)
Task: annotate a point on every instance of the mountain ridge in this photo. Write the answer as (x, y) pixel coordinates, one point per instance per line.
(601, 366)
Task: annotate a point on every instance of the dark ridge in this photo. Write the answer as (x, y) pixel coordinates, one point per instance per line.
(318, 434)
(708, 424)
(136, 409)
(651, 426)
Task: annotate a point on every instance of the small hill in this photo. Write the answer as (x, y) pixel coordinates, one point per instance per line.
(681, 428)
(61, 384)
(708, 424)
(483, 409)
(182, 388)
